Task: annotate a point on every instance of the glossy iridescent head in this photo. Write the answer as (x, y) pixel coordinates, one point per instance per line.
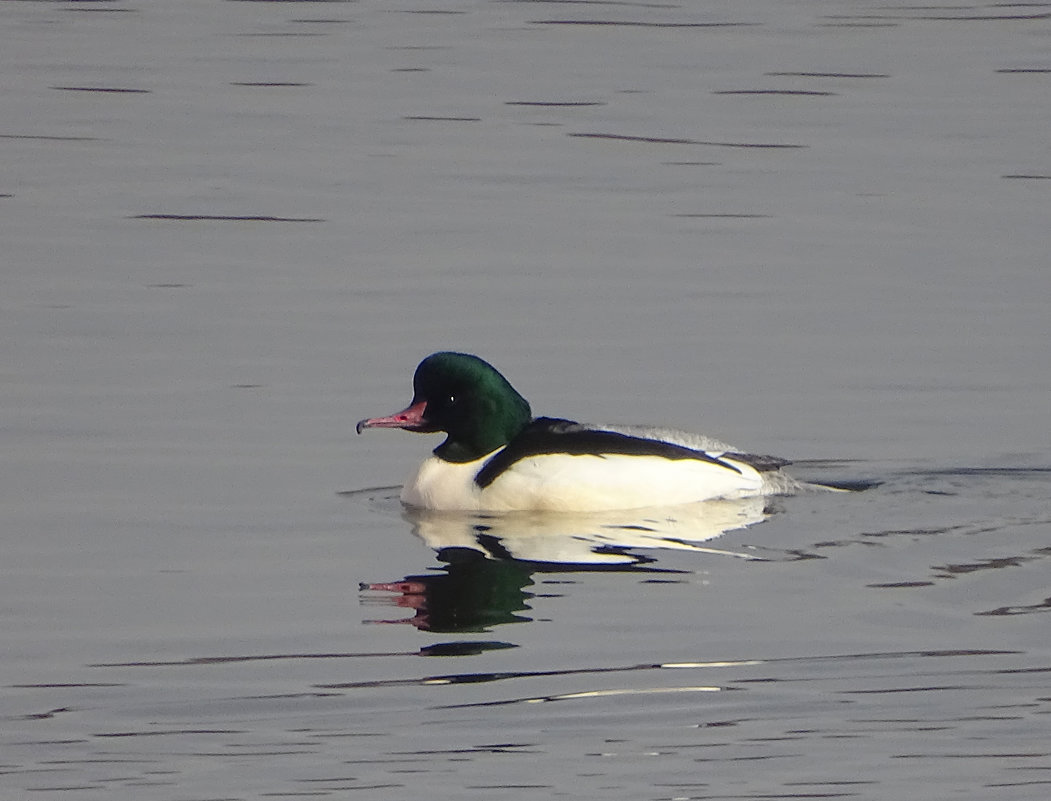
(465, 397)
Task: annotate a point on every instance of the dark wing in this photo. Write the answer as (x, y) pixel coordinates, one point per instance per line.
(551, 435)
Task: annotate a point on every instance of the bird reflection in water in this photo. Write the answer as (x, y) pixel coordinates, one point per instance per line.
(470, 594)
(490, 560)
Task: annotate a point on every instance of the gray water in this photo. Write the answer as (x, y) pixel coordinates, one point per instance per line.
(231, 229)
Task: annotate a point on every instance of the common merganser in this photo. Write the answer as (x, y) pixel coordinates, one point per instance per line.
(499, 458)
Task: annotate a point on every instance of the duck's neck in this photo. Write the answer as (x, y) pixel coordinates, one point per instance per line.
(454, 451)
(484, 436)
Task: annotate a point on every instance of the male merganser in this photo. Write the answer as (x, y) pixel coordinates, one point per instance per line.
(499, 458)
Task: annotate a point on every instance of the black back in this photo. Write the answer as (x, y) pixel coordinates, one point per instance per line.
(552, 435)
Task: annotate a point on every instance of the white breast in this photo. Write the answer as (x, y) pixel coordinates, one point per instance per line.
(446, 486)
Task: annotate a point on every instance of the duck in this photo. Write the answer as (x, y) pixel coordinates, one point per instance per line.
(497, 457)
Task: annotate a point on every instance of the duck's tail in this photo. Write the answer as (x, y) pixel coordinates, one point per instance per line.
(778, 482)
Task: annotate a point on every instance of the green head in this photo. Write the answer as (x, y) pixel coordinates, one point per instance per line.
(465, 397)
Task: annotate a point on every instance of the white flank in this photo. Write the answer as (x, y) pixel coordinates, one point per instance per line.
(569, 483)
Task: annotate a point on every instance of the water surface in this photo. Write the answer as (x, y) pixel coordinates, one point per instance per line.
(813, 229)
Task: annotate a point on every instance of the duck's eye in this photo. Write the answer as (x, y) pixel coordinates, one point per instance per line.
(450, 401)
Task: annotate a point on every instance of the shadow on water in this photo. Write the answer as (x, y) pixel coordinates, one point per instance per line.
(489, 560)
(474, 591)
(469, 595)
